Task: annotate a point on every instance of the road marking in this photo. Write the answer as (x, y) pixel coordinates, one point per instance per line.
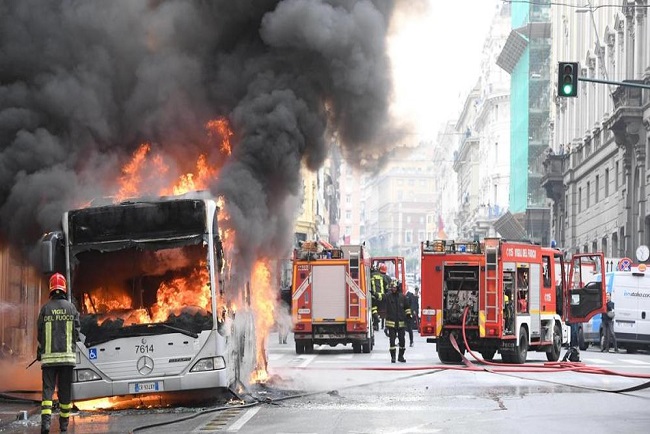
(635, 362)
(306, 360)
(242, 420)
(598, 361)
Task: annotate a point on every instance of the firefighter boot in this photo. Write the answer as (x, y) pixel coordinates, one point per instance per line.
(45, 423)
(401, 355)
(63, 423)
(392, 356)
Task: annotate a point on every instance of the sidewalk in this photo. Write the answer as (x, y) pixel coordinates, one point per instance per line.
(12, 410)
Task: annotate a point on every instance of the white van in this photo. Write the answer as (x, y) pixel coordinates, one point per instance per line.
(631, 296)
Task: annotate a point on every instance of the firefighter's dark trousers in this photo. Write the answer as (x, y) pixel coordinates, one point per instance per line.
(61, 378)
(399, 333)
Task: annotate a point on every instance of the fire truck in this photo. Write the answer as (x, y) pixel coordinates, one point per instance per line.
(505, 296)
(331, 301)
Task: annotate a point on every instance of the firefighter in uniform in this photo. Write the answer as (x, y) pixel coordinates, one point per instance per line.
(58, 332)
(398, 311)
(377, 291)
(379, 282)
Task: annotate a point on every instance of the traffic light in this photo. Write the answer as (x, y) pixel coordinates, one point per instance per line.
(567, 81)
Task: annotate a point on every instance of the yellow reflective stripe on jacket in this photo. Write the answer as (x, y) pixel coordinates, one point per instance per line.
(52, 358)
(391, 324)
(68, 335)
(48, 337)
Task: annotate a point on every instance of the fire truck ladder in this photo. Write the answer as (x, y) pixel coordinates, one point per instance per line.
(491, 283)
(354, 262)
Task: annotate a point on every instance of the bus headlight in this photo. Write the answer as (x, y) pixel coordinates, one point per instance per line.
(209, 364)
(81, 375)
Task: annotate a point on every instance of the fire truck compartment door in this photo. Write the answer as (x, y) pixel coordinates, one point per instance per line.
(586, 300)
(329, 292)
(534, 301)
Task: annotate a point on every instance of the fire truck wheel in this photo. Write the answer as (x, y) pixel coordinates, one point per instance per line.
(309, 347)
(554, 354)
(366, 346)
(300, 347)
(488, 354)
(522, 349)
(356, 348)
(448, 355)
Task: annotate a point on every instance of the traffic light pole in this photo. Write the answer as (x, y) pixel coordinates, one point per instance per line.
(618, 83)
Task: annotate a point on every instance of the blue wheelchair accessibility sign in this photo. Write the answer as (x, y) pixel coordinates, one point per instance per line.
(92, 353)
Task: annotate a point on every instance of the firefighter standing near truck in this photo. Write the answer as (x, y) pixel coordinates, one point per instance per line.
(398, 312)
(58, 332)
(379, 282)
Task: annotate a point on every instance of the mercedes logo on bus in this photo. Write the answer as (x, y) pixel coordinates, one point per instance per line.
(145, 365)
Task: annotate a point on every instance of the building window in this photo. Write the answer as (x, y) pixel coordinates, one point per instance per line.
(580, 199)
(348, 198)
(348, 215)
(596, 187)
(408, 219)
(606, 182)
(616, 176)
(421, 236)
(408, 236)
(588, 193)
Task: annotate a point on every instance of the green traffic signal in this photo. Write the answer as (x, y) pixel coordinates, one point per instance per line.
(567, 79)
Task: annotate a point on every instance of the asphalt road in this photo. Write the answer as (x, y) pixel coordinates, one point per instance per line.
(336, 391)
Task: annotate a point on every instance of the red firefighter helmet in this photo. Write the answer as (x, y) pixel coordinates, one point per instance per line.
(58, 283)
(383, 268)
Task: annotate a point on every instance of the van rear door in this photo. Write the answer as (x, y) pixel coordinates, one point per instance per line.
(643, 305)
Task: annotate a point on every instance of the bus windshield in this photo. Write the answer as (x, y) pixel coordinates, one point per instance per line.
(124, 292)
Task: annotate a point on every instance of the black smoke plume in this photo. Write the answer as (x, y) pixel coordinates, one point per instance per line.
(84, 83)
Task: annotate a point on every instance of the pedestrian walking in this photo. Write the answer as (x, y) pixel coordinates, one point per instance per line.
(398, 312)
(58, 332)
(608, 327)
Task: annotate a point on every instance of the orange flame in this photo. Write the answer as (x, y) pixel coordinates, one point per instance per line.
(264, 303)
(143, 175)
(221, 128)
(171, 297)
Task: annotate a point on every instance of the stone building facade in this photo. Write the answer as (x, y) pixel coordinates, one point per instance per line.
(597, 175)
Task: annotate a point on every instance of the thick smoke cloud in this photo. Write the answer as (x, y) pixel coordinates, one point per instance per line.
(83, 84)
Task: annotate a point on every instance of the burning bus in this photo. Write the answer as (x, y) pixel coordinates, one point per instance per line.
(147, 277)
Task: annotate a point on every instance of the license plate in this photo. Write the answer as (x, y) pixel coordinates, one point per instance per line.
(624, 324)
(151, 386)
